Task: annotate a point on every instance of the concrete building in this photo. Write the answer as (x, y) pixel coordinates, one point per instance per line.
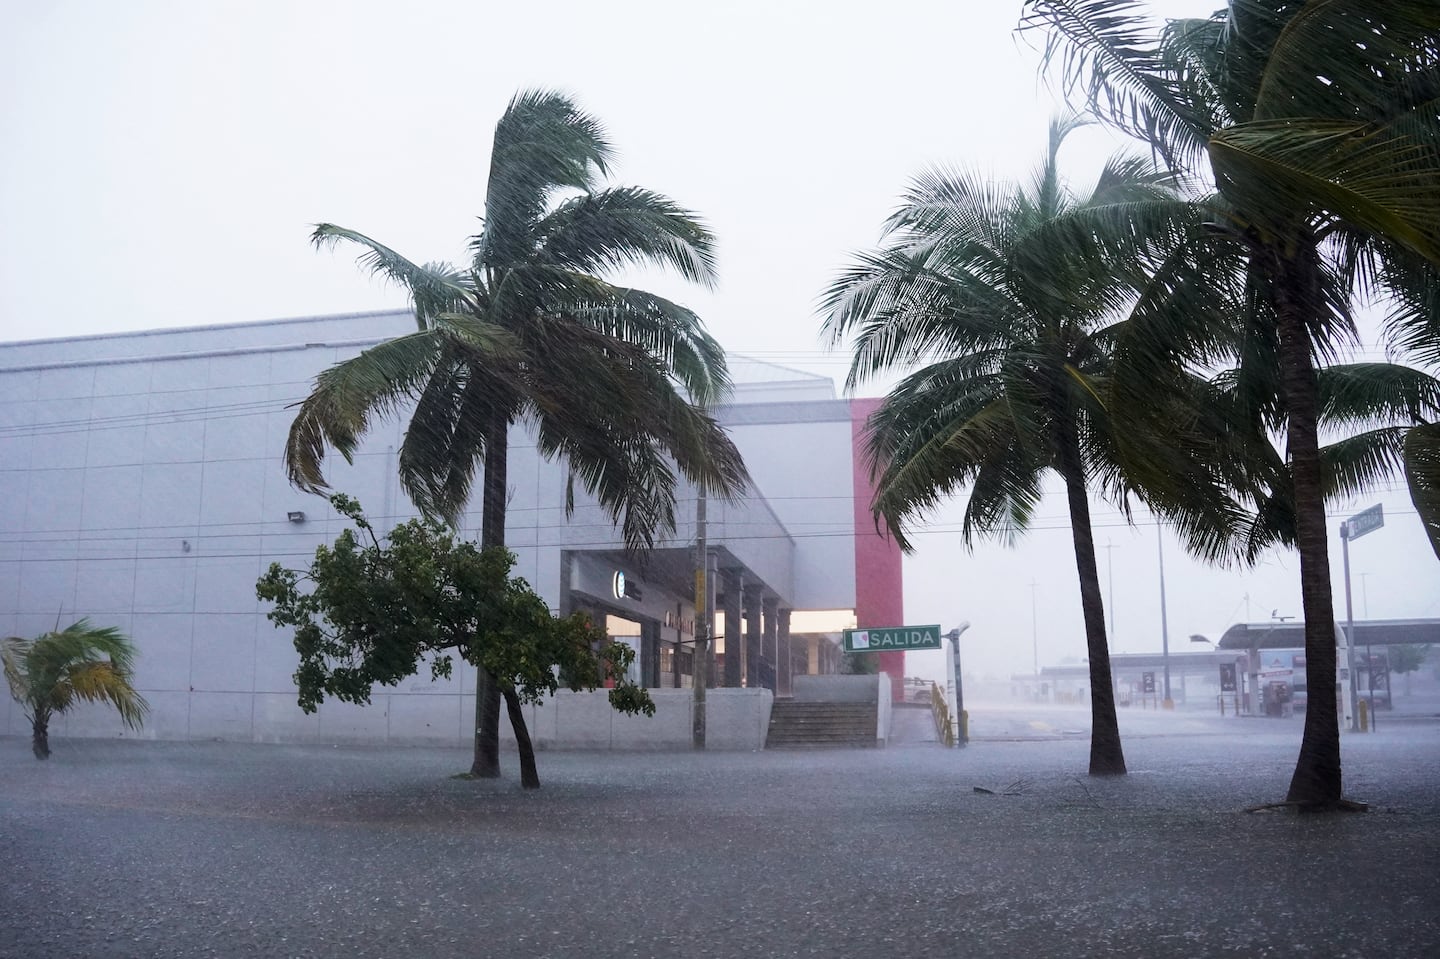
(141, 485)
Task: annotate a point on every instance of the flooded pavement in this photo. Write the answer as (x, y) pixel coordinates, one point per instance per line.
(119, 848)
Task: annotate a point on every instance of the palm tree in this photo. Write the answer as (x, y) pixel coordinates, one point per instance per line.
(81, 662)
(1017, 299)
(614, 381)
(1317, 123)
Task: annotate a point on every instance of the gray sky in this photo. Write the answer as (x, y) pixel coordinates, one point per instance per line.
(161, 162)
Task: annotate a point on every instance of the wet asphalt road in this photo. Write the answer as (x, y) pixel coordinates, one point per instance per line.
(129, 849)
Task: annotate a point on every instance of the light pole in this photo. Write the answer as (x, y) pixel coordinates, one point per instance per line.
(1035, 636)
(962, 727)
(1110, 579)
(1164, 619)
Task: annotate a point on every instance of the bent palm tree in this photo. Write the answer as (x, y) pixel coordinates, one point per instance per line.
(1016, 299)
(527, 331)
(80, 663)
(1318, 124)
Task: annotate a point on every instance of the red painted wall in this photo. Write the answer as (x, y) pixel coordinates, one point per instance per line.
(879, 586)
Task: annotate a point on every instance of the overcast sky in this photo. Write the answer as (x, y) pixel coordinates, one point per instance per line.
(161, 164)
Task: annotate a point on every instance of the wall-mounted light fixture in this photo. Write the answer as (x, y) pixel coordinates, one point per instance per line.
(295, 516)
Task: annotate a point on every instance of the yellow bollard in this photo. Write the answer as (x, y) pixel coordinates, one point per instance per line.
(1362, 713)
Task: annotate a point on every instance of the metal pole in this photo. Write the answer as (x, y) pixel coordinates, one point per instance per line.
(699, 679)
(1110, 578)
(1349, 631)
(1035, 636)
(1164, 619)
(962, 731)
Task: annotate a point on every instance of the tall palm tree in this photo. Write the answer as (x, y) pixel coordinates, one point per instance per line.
(614, 381)
(1014, 300)
(1317, 123)
(49, 675)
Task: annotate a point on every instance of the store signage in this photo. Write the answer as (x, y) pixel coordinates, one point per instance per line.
(1227, 677)
(1147, 682)
(621, 586)
(890, 638)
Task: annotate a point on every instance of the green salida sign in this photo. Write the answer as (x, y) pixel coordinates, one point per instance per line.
(891, 638)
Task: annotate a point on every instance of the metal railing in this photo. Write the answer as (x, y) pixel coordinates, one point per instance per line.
(944, 729)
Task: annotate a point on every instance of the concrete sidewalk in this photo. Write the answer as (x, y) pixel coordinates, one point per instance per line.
(122, 848)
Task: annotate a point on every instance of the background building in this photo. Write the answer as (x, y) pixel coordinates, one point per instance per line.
(141, 485)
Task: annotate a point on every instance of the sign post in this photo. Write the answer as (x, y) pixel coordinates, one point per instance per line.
(1365, 521)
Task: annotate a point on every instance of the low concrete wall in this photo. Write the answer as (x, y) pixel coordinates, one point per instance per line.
(736, 719)
(836, 689)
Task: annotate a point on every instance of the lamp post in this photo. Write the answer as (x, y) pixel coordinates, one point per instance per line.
(962, 728)
(1164, 619)
(1035, 636)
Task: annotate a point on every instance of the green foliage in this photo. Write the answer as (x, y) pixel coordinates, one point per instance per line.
(615, 381)
(49, 675)
(1407, 659)
(859, 664)
(370, 612)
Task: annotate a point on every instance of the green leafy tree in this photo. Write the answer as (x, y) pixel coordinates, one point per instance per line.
(1405, 660)
(1013, 302)
(613, 381)
(80, 663)
(1317, 124)
(367, 612)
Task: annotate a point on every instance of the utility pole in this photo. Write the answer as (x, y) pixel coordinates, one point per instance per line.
(1110, 578)
(1164, 619)
(1035, 636)
(699, 679)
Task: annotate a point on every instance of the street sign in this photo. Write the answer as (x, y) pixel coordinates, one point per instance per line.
(1365, 521)
(890, 638)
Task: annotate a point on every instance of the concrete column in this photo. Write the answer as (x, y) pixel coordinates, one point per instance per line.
(812, 661)
(650, 654)
(734, 646)
(770, 638)
(782, 678)
(753, 597)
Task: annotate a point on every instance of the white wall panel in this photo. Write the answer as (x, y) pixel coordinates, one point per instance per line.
(225, 653)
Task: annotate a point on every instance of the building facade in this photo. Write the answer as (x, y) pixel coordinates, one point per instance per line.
(142, 486)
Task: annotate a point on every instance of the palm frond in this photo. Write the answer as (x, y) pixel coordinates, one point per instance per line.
(1371, 394)
(1335, 168)
(99, 682)
(1107, 51)
(350, 394)
(627, 226)
(543, 144)
(434, 288)
(1422, 472)
(14, 652)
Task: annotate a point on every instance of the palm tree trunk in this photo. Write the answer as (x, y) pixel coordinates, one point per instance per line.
(1107, 758)
(40, 735)
(529, 775)
(486, 763)
(1317, 777)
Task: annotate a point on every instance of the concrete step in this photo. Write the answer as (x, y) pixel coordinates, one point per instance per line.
(805, 725)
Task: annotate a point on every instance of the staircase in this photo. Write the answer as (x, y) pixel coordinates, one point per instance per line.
(801, 725)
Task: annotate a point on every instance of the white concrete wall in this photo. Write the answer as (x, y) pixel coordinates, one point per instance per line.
(799, 455)
(141, 485)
